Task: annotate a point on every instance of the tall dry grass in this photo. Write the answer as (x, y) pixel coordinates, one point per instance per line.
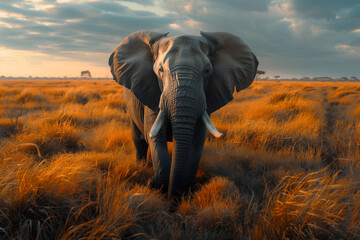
(288, 167)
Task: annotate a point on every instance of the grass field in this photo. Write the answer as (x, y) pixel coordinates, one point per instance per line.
(288, 168)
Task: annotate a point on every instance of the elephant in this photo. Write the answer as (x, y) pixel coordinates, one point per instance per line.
(171, 86)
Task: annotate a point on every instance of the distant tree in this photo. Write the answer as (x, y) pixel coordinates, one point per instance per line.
(353, 78)
(277, 77)
(85, 74)
(258, 73)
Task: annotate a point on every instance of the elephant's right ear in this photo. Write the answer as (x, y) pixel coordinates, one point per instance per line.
(131, 65)
(234, 67)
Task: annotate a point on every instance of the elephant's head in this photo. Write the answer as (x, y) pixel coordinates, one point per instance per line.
(184, 78)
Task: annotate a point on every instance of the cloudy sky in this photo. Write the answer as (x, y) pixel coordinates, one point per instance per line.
(292, 38)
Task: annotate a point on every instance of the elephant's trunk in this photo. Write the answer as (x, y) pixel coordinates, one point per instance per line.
(183, 134)
(185, 102)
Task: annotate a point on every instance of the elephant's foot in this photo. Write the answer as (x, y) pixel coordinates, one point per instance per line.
(159, 185)
(173, 207)
(200, 181)
(145, 161)
(175, 201)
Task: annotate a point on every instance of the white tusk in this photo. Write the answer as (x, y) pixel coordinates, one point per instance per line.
(210, 126)
(159, 121)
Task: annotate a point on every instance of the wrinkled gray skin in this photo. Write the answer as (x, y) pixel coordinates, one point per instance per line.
(179, 79)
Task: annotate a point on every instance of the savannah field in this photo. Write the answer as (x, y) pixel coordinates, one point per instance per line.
(288, 167)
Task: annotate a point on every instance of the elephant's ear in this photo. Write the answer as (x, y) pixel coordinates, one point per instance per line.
(131, 65)
(234, 66)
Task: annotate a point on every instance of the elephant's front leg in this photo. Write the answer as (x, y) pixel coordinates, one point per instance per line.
(158, 151)
(141, 146)
(198, 145)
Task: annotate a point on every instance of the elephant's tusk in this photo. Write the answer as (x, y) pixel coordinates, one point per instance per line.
(210, 126)
(159, 121)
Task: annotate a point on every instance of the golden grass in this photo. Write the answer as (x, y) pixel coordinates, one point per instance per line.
(288, 167)
(30, 95)
(9, 126)
(109, 137)
(51, 138)
(80, 95)
(316, 205)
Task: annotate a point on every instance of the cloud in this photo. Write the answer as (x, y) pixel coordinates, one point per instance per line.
(291, 37)
(245, 5)
(201, 6)
(142, 2)
(71, 26)
(322, 8)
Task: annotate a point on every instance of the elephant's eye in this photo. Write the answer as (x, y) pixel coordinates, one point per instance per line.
(161, 69)
(207, 71)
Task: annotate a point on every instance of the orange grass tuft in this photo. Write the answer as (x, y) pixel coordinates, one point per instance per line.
(31, 95)
(10, 126)
(314, 205)
(110, 136)
(50, 138)
(81, 96)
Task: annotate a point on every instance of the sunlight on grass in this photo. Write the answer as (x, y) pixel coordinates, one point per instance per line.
(288, 168)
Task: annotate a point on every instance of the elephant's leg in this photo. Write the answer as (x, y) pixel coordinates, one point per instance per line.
(140, 143)
(158, 151)
(198, 145)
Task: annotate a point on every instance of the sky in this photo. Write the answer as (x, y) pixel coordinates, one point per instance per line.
(291, 38)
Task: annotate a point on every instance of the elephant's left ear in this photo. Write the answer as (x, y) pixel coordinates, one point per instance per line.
(131, 65)
(234, 66)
